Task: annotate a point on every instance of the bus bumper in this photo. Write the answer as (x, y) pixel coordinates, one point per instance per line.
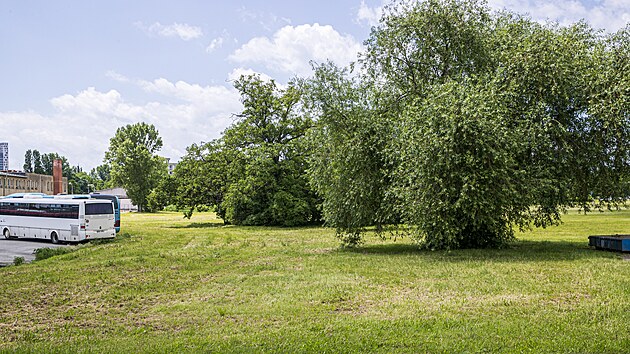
(100, 235)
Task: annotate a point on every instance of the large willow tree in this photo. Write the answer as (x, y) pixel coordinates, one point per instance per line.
(471, 123)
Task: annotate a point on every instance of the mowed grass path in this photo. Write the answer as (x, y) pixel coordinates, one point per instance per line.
(175, 285)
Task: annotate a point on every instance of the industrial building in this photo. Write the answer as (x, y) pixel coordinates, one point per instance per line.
(22, 182)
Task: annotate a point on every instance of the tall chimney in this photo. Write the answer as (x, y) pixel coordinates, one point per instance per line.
(57, 177)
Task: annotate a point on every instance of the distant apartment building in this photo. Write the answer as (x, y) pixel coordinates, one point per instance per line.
(4, 156)
(171, 165)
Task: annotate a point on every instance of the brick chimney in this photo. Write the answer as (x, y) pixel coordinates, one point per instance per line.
(57, 177)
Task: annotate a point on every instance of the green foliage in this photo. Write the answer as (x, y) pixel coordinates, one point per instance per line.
(18, 261)
(80, 183)
(28, 161)
(171, 208)
(47, 163)
(36, 162)
(133, 160)
(485, 153)
(423, 43)
(45, 253)
(162, 195)
(348, 160)
(459, 181)
(609, 105)
(254, 174)
(101, 176)
(467, 124)
(201, 177)
(268, 186)
(39, 164)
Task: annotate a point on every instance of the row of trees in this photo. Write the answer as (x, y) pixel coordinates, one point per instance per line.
(458, 123)
(79, 182)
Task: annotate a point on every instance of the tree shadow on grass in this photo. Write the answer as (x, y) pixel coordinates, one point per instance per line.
(520, 251)
(198, 225)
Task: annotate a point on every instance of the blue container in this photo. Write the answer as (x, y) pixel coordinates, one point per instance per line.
(619, 243)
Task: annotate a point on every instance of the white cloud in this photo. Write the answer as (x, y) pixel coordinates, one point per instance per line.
(266, 20)
(198, 98)
(369, 15)
(184, 31)
(82, 124)
(610, 15)
(215, 44)
(116, 76)
(238, 72)
(292, 48)
(90, 102)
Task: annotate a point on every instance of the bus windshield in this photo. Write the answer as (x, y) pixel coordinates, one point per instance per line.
(99, 208)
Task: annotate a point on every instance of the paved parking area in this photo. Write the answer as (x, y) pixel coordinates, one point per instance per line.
(9, 249)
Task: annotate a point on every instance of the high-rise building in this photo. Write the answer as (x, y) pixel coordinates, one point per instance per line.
(4, 156)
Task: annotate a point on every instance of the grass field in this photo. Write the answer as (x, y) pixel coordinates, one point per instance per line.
(172, 285)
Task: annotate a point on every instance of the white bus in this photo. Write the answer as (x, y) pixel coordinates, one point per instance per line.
(58, 220)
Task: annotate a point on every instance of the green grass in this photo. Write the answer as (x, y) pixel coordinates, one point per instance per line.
(172, 285)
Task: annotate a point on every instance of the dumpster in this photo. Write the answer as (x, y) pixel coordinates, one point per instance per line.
(619, 243)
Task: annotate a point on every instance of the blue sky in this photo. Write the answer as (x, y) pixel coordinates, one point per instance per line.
(74, 71)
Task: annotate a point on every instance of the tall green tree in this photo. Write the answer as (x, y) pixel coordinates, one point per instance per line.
(255, 173)
(609, 104)
(28, 161)
(269, 185)
(100, 175)
(133, 160)
(38, 166)
(349, 163)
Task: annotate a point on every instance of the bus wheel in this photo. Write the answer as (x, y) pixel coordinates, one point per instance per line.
(54, 238)
(6, 233)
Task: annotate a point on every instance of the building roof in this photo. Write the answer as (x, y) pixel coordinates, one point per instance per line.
(118, 191)
(13, 174)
